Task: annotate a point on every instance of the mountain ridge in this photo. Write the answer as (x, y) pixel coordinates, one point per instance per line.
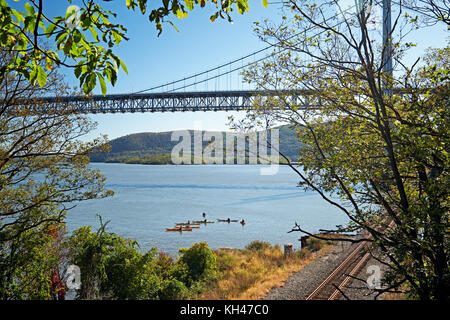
(156, 147)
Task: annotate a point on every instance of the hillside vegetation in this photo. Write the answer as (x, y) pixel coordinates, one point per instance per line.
(156, 147)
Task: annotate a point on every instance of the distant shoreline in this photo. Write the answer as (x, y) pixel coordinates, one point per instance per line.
(195, 164)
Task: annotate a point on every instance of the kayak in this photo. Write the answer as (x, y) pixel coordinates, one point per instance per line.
(179, 229)
(203, 222)
(226, 220)
(186, 224)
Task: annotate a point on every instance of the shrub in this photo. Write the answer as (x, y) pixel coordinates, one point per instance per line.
(164, 265)
(173, 289)
(200, 261)
(225, 260)
(303, 254)
(314, 244)
(258, 245)
(112, 267)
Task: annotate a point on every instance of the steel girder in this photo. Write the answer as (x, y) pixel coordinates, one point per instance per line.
(161, 102)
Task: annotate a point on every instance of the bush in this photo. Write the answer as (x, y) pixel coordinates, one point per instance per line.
(200, 261)
(173, 289)
(258, 245)
(314, 244)
(112, 266)
(303, 254)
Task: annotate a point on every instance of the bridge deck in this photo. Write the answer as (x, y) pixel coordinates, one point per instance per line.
(164, 102)
(171, 101)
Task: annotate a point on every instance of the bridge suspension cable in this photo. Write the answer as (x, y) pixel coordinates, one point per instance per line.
(230, 71)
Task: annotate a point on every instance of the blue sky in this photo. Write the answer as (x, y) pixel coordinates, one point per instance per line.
(200, 45)
(153, 60)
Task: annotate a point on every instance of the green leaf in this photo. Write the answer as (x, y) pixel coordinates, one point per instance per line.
(189, 4)
(180, 14)
(30, 9)
(33, 75)
(50, 29)
(71, 12)
(41, 76)
(124, 67)
(142, 5)
(94, 33)
(77, 35)
(214, 17)
(68, 45)
(77, 71)
(89, 82)
(117, 37)
(102, 83)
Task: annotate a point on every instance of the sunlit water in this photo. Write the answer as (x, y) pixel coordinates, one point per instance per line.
(148, 199)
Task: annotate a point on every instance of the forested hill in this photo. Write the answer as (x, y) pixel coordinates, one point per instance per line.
(156, 147)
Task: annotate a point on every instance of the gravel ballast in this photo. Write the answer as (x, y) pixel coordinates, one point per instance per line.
(303, 282)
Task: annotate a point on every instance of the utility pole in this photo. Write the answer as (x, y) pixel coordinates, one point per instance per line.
(387, 45)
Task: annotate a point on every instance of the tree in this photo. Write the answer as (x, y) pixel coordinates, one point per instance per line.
(200, 261)
(384, 158)
(43, 173)
(112, 267)
(431, 11)
(43, 164)
(29, 264)
(84, 38)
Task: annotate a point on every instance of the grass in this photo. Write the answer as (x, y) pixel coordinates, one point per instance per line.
(250, 273)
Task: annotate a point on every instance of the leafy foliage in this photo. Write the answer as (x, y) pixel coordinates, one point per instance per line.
(112, 267)
(27, 263)
(378, 143)
(43, 171)
(200, 261)
(83, 39)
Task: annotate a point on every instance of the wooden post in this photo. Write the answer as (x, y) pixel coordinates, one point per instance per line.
(288, 250)
(303, 242)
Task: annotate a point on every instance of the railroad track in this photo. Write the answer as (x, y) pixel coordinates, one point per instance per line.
(333, 286)
(340, 276)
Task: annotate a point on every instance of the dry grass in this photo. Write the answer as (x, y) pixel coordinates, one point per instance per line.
(393, 296)
(250, 274)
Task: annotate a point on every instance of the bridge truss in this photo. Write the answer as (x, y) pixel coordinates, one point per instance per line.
(164, 102)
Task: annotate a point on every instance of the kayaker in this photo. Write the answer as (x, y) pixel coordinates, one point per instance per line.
(204, 214)
(228, 220)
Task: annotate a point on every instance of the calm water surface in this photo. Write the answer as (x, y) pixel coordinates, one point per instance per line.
(149, 199)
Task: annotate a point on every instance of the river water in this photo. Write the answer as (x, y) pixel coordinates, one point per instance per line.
(150, 198)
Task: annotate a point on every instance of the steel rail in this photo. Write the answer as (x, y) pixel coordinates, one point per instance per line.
(354, 271)
(341, 266)
(349, 277)
(335, 272)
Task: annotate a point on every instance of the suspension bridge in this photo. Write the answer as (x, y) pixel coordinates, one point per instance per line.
(170, 101)
(221, 89)
(182, 95)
